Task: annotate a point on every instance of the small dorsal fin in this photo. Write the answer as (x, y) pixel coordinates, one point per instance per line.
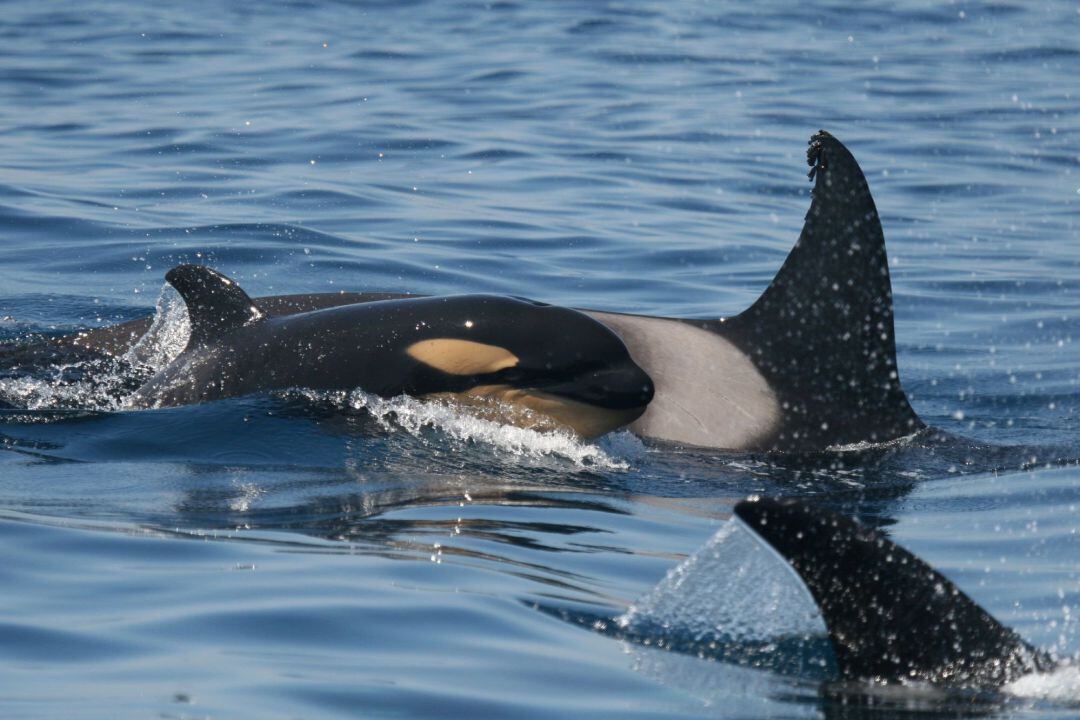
(216, 304)
(822, 332)
(890, 616)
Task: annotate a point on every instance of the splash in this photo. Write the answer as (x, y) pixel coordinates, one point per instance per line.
(94, 385)
(462, 427)
(168, 334)
(105, 383)
(865, 445)
(734, 590)
(1060, 686)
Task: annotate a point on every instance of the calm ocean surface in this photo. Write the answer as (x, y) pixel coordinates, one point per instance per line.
(271, 557)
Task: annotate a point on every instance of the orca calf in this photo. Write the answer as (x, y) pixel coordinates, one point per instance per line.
(889, 615)
(809, 366)
(550, 361)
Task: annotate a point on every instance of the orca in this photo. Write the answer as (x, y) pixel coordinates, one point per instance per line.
(812, 363)
(890, 616)
(547, 366)
(810, 366)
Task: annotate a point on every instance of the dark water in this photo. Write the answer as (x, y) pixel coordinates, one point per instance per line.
(274, 557)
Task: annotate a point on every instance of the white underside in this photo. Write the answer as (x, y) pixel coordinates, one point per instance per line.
(708, 392)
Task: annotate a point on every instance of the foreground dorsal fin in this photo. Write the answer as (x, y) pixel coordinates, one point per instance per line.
(890, 616)
(216, 304)
(822, 332)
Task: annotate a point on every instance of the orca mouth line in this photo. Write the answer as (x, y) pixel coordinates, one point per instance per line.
(617, 390)
(539, 409)
(621, 388)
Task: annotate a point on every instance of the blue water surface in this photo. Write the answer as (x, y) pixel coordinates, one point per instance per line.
(274, 557)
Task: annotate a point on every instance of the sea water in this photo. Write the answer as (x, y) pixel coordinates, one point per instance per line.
(291, 555)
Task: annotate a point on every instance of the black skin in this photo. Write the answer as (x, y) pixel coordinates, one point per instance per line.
(821, 334)
(890, 616)
(236, 349)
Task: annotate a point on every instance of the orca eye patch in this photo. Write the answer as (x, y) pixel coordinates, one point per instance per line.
(462, 357)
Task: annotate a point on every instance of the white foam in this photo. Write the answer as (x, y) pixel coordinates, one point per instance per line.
(459, 425)
(1061, 685)
(106, 384)
(864, 445)
(99, 390)
(249, 493)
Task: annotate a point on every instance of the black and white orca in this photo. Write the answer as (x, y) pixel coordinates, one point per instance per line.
(809, 366)
(812, 363)
(557, 366)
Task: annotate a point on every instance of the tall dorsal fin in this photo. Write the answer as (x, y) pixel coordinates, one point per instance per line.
(890, 616)
(822, 332)
(216, 304)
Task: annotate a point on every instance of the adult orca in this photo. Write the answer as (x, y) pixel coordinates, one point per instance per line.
(809, 366)
(812, 363)
(556, 363)
(889, 615)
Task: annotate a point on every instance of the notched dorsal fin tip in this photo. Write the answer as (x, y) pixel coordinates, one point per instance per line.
(815, 152)
(216, 304)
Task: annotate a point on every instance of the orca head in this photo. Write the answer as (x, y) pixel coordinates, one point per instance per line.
(543, 360)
